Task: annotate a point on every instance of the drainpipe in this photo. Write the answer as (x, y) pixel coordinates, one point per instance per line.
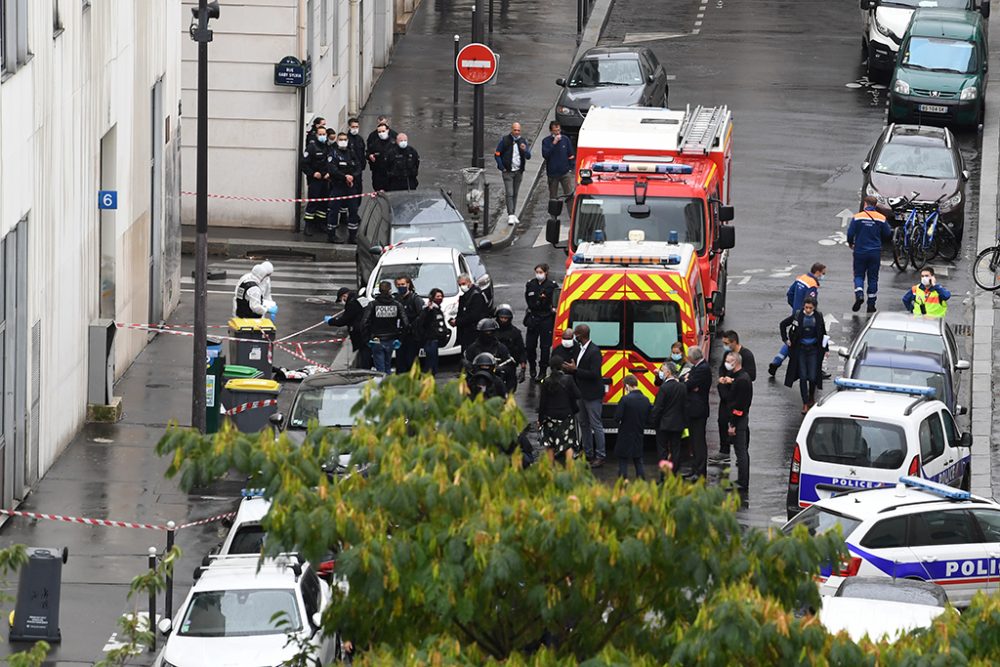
(301, 31)
(354, 62)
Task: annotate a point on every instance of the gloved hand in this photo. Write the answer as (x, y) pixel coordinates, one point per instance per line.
(272, 312)
(328, 319)
(396, 344)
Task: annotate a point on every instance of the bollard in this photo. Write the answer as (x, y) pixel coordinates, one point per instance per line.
(454, 91)
(168, 594)
(152, 602)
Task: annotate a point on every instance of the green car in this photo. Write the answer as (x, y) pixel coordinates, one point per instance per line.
(940, 74)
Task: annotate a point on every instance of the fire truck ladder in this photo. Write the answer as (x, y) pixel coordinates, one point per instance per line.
(700, 128)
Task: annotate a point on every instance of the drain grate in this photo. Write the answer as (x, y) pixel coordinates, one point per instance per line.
(962, 329)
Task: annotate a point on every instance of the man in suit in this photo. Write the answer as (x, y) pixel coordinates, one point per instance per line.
(669, 417)
(586, 371)
(699, 383)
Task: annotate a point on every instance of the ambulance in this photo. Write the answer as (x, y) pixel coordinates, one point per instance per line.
(638, 297)
(657, 171)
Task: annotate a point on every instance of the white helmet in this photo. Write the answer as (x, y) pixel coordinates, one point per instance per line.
(262, 270)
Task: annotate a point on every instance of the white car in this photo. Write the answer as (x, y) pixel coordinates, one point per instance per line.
(916, 530)
(227, 619)
(869, 435)
(429, 266)
(882, 608)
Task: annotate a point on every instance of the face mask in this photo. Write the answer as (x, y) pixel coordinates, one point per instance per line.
(727, 348)
(463, 288)
(675, 356)
(925, 280)
(567, 342)
(342, 144)
(321, 138)
(404, 144)
(383, 135)
(354, 131)
(729, 366)
(661, 375)
(820, 278)
(540, 277)
(401, 290)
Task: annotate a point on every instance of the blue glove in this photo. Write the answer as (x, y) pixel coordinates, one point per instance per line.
(396, 344)
(328, 318)
(273, 310)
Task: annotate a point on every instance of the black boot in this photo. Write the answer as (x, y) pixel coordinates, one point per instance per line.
(871, 306)
(307, 227)
(352, 236)
(858, 300)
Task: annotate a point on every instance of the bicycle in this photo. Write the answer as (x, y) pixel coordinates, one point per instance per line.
(920, 238)
(986, 268)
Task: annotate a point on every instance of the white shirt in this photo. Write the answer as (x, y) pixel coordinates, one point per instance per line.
(583, 348)
(515, 155)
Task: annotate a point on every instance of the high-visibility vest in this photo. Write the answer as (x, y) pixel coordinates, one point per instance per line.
(928, 303)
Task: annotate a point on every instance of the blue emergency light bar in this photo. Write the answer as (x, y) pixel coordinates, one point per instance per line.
(252, 493)
(640, 168)
(909, 390)
(936, 488)
(669, 260)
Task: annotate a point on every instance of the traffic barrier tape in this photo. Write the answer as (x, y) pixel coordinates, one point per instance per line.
(111, 523)
(281, 200)
(252, 405)
(174, 329)
(301, 355)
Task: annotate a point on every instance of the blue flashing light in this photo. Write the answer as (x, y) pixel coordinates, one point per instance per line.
(909, 390)
(252, 493)
(598, 236)
(674, 169)
(639, 168)
(936, 488)
(672, 237)
(578, 257)
(673, 259)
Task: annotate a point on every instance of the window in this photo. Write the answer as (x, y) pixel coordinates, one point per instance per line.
(335, 51)
(856, 443)
(249, 539)
(931, 438)
(951, 429)
(924, 161)
(610, 214)
(931, 529)
(887, 534)
(425, 276)
(904, 341)
(592, 73)
(818, 521)
(940, 54)
(13, 34)
(989, 523)
(240, 613)
(604, 319)
(311, 596)
(655, 326)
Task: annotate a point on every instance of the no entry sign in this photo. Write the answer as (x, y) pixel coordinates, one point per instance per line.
(476, 63)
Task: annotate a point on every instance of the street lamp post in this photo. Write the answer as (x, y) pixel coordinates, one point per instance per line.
(200, 33)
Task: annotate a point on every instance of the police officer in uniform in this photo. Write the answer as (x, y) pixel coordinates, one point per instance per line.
(386, 319)
(539, 294)
(357, 146)
(251, 298)
(343, 172)
(315, 167)
(510, 335)
(352, 317)
(483, 379)
(486, 341)
(405, 163)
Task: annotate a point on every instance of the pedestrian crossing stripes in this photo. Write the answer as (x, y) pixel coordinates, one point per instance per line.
(290, 278)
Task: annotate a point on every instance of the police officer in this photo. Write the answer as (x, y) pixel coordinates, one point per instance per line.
(316, 169)
(486, 341)
(405, 164)
(407, 295)
(509, 335)
(806, 285)
(483, 379)
(352, 317)
(317, 122)
(472, 307)
(928, 297)
(357, 146)
(387, 321)
(253, 292)
(343, 172)
(539, 295)
(865, 234)
(380, 149)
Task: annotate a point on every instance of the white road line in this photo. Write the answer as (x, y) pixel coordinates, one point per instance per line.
(744, 280)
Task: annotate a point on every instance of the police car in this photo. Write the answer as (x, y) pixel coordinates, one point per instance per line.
(918, 529)
(871, 434)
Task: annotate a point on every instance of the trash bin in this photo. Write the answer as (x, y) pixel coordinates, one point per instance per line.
(235, 372)
(253, 402)
(473, 195)
(36, 613)
(213, 383)
(261, 333)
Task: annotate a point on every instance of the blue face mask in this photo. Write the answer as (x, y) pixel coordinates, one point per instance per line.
(321, 138)
(727, 348)
(676, 356)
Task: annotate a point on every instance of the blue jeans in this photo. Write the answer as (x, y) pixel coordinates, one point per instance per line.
(867, 264)
(431, 360)
(809, 360)
(382, 354)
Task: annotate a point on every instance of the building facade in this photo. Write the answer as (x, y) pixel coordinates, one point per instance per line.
(255, 138)
(89, 102)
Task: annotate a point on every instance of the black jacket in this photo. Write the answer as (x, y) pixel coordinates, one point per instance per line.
(357, 146)
(540, 299)
(386, 317)
(412, 303)
(749, 365)
(505, 152)
(487, 384)
(352, 317)
(589, 379)
(404, 163)
(565, 353)
(670, 407)
(510, 336)
(430, 325)
(340, 164)
(382, 150)
(632, 417)
(699, 383)
(558, 397)
(314, 159)
(793, 330)
(472, 307)
(507, 372)
(738, 396)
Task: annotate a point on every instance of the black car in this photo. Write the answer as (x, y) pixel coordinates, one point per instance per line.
(327, 398)
(610, 76)
(390, 218)
(921, 159)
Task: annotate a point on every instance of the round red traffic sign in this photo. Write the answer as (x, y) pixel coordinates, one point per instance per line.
(476, 63)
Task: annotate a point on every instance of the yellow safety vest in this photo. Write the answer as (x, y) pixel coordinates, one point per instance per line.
(928, 303)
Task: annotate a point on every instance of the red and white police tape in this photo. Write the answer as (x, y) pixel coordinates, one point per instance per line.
(111, 523)
(252, 405)
(301, 355)
(174, 329)
(280, 200)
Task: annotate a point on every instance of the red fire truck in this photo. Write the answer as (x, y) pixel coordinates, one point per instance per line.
(658, 172)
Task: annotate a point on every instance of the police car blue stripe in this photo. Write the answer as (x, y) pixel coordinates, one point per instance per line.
(808, 482)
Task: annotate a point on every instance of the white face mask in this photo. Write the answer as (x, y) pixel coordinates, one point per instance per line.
(463, 288)
(540, 276)
(661, 375)
(567, 342)
(404, 144)
(925, 280)
(730, 366)
(383, 135)
(342, 144)
(354, 130)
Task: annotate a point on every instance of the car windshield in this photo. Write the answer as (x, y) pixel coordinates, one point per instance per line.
(594, 72)
(819, 520)
(902, 341)
(948, 4)
(940, 55)
(916, 161)
(331, 406)
(445, 234)
(240, 613)
(914, 378)
(667, 214)
(856, 442)
(425, 276)
(648, 327)
(249, 539)
(911, 592)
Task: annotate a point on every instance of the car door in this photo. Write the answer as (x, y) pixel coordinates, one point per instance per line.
(884, 547)
(962, 456)
(988, 520)
(934, 459)
(947, 548)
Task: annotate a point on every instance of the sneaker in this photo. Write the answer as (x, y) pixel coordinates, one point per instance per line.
(871, 307)
(511, 219)
(825, 375)
(772, 368)
(857, 303)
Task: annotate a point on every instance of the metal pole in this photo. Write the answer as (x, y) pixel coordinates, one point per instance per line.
(300, 142)
(478, 110)
(486, 207)
(491, 24)
(168, 593)
(201, 228)
(454, 91)
(152, 602)
(579, 16)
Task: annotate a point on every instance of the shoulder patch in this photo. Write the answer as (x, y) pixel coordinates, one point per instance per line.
(305, 153)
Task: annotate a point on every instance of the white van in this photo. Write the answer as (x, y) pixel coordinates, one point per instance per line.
(868, 436)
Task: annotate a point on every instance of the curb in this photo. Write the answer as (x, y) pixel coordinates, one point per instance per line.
(503, 237)
(242, 247)
(984, 306)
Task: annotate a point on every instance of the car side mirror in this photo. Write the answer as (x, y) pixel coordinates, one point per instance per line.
(868, 4)
(650, 78)
(727, 238)
(375, 250)
(727, 213)
(485, 244)
(560, 82)
(961, 410)
(277, 419)
(844, 352)
(966, 175)
(962, 365)
(984, 9)
(865, 166)
(164, 625)
(555, 208)
(317, 619)
(965, 440)
(552, 231)
(714, 302)
(639, 210)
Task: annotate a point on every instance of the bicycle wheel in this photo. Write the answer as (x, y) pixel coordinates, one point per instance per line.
(900, 253)
(986, 269)
(947, 245)
(922, 250)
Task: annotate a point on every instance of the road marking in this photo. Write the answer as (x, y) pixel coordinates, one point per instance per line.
(636, 37)
(114, 643)
(744, 280)
(540, 239)
(845, 217)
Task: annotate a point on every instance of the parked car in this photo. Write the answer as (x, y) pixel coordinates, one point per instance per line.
(922, 159)
(390, 219)
(918, 369)
(941, 75)
(881, 607)
(328, 398)
(610, 76)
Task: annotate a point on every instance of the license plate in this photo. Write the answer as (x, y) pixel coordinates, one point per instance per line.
(932, 108)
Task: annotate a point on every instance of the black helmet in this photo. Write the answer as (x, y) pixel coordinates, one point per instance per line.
(487, 324)
(484, 360)
(505, 311)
